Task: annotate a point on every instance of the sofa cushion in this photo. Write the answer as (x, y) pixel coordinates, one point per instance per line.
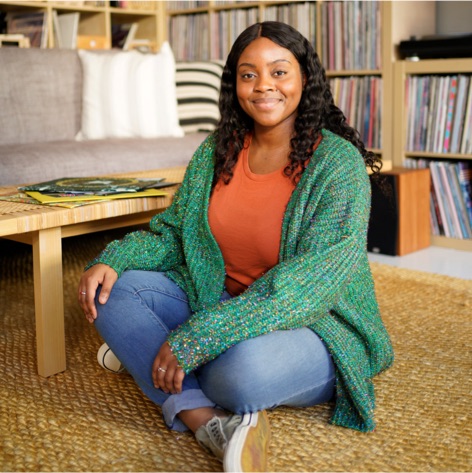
(129, 94)
(198, 90)
(40, 95)
(36, 162)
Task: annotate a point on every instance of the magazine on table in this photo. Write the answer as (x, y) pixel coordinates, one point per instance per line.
(96, 186)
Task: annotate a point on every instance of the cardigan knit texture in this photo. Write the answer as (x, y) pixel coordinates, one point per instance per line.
(322, 281)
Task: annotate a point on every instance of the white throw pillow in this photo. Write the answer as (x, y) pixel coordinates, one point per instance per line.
(129, 94)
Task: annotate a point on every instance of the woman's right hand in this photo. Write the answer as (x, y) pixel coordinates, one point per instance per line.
(98, 275)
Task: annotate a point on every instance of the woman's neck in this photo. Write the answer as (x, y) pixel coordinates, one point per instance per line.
(268, 151)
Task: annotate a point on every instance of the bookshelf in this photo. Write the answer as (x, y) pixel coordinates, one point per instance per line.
(208, 29)
(211, 26)
(96, 19)
(200, 30)
(405, 117)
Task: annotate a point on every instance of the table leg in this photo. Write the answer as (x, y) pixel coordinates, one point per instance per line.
(49, 301)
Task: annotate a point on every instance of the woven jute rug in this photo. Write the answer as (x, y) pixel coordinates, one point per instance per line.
(86, 419)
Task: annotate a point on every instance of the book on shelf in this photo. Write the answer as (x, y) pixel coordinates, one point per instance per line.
(459, 203)
(451, 100)
(31, 24)
(56, 30)
(451, 196)
(123, 34)
(450, 204)
(435, 213)
(439, 113)
(356, 47)
(464, 171)
(444, 210)
(442, 113)
(359, 98)
(189, 4)
(226, 24)
(466, 142)
(459, 112)
(66, 26)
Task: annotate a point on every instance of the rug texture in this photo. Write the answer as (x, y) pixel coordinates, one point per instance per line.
(86, 419)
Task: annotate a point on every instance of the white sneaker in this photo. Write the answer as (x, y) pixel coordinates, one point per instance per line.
(107, 360)
(240, 442)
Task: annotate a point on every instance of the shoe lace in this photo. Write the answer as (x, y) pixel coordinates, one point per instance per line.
(216, 434)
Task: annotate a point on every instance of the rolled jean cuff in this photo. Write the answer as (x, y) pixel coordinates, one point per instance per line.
(189, 399)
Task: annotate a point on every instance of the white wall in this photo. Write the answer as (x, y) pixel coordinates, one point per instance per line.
(453, 17)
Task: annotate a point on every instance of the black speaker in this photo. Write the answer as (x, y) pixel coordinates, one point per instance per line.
(382, 235)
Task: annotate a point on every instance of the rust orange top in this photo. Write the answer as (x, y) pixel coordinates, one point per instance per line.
(245, 218)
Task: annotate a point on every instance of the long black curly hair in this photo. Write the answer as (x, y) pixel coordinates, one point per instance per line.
(315, 111)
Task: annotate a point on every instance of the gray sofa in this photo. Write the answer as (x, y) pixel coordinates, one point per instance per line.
(40, 117)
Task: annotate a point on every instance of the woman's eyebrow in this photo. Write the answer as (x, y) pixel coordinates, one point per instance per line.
(248, 64)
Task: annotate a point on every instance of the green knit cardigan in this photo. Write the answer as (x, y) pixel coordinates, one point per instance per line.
(322, 281)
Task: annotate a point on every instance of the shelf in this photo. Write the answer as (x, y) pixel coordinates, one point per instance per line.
(353, 72)
(453, 243)
(431, 155)
(436, 66)
(95, 24)
(441, 68)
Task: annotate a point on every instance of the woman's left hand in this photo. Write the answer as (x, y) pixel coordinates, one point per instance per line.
(166, 372)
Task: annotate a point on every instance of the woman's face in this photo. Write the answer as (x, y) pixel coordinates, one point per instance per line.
(269, 83)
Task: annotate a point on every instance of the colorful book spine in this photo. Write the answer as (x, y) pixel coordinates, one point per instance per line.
(459, 113)
(465, 180)
(459, 202)
(450, 111)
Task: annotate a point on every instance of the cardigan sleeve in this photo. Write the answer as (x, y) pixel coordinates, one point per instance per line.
(160, 248)
(325, 235)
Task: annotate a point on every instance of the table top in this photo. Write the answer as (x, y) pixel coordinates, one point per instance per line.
(17, 218)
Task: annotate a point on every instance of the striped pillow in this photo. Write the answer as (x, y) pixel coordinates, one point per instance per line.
(198, 89)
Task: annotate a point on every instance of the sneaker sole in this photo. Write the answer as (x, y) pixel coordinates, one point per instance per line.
(107, 360)
(247, 449)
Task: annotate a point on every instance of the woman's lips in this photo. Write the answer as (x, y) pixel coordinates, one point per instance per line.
(266, 103)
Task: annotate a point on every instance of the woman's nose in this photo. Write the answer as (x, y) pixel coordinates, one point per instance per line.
(265, 83)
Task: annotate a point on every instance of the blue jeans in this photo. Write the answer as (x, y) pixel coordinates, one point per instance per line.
(291, 368)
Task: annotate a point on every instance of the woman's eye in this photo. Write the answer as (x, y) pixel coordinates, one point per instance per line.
(247, 75)
(279, 73)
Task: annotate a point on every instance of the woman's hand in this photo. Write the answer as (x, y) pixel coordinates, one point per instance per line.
(166, 372)
(98, 275)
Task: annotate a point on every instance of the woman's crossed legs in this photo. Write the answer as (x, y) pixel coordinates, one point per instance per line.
(291, 367)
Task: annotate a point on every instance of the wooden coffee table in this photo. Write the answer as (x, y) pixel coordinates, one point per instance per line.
(44, 227)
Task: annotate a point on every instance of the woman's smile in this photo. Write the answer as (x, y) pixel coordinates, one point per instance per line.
(266, 103)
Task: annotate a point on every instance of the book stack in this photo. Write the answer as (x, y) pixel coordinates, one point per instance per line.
(187, 4)
(439, 113)
(227, 24)
(71, 192)
(451, 196)
(32, 25)
(360, 99)
(351, 35)
(301, 16)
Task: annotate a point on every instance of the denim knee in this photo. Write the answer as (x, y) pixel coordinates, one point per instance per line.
(290, 368)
